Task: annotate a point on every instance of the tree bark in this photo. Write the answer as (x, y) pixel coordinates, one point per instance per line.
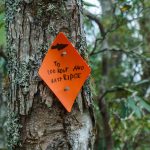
(37, 121)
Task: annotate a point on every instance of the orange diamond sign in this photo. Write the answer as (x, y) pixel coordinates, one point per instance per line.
(64, 70)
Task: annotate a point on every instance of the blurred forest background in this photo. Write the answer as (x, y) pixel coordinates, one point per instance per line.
(118, 39)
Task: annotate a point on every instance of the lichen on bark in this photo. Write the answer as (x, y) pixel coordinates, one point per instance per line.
(13, 127)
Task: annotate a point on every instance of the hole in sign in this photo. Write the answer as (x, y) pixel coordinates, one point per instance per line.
(67, 88)
(64, 53)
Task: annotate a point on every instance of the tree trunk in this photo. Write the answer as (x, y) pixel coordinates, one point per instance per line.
(106, 57)
(37, 120)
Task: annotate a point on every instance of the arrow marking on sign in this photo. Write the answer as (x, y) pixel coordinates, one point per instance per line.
(59, 46)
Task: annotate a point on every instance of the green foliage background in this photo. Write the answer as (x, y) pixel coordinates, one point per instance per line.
(125, 87)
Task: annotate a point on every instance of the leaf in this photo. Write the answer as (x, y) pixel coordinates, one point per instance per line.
(1, 24)
(143, 82)
(3, 35)
(134, 107)
(125, 7)
(89, 4)
(2, 8)
(144, 104)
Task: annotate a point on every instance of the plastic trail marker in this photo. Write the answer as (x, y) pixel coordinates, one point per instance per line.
(64, 70)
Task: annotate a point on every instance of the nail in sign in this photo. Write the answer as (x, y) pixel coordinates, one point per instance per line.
(64, 70)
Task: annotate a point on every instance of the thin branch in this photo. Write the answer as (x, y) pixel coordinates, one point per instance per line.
(114, 89)
(130, 53)
(118, 24)
(94, 48)
(124, 88)
(97, 20)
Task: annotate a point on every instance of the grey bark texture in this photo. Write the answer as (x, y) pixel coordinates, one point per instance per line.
(36, 119)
